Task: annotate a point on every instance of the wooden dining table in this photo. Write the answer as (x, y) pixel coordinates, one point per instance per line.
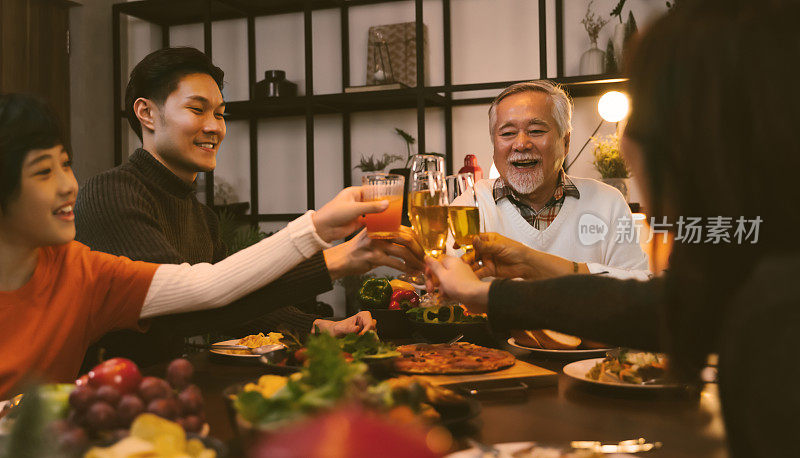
(687, 425)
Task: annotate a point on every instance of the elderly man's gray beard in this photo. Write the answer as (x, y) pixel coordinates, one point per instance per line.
(525, 181)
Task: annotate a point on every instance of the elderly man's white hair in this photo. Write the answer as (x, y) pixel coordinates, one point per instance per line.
(562, 104)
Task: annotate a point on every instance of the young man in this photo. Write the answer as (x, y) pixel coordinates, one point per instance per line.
(146, 209)
(57, 296)
(535, 203)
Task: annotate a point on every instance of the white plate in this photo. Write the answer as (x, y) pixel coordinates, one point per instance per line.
(508, 448)
(565, 353)
(578, 370)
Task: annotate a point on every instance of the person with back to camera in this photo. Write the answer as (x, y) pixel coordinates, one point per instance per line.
(705, 134)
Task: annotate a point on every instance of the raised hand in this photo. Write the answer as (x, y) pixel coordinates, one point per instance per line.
(340, 217)
(362, 254)
(506, 258)
(457, 280)
(500, 257)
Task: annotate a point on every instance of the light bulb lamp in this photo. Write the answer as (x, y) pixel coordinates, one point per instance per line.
(613, 106)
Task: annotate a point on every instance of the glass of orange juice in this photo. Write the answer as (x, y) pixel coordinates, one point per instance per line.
(383, 186)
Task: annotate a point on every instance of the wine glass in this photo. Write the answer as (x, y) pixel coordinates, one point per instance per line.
(427, 210)
(463, 216)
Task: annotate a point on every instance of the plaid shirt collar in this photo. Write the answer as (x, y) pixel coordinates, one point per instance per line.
(541, 219)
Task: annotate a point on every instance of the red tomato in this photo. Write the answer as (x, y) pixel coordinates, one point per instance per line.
(300, 355)
(121, 373)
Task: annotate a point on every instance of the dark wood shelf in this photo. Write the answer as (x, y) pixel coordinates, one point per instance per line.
(179, 12)
(397, 99)
(168, 13)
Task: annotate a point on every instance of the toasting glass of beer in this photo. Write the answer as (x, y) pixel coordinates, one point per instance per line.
(463, 216)
(427, 210)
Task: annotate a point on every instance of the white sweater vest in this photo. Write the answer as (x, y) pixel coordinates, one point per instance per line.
(579, 222)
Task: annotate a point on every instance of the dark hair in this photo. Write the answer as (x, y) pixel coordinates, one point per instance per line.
(718, 136)
(26, 123)
(159, 73)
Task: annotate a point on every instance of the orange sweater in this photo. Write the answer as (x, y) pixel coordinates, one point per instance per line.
(74, 297)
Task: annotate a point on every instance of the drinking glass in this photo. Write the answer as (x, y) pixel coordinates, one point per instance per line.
(427, 210)
(427, 163)
(463, 216)
(383, 186)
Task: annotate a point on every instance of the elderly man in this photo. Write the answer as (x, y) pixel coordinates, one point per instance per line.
(570, 222)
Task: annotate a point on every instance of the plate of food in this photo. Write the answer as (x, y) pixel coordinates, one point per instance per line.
(327, 379)
(545, 342)
(455, 358)
(625, 369)
(251, 341)
(531, 450)
(367, 347)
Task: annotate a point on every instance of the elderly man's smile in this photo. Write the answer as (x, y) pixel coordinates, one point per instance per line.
(524, 163)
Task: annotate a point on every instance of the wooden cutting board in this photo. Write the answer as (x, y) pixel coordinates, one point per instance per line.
(521, 371)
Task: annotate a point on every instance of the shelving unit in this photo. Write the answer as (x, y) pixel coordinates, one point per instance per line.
(168, 13)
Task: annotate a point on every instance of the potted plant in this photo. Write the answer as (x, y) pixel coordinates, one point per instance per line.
(405, 171)
(609, 162)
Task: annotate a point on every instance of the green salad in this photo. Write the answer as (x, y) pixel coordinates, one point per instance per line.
(367, 346)
(326, 380)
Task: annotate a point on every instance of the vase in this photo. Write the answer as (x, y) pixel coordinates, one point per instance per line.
(593, 61)
(620, 183)
(619, 42)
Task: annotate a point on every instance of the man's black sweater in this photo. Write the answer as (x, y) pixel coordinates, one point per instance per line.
(143, 211)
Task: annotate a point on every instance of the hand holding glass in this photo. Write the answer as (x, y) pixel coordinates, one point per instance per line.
(463, 215)
(427, 210)
(383, 186)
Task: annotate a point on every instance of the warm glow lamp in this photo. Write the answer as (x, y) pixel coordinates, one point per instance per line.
(613, 106)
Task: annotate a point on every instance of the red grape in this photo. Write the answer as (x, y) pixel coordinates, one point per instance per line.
(74, 439)
(101, 416)
(166, 408)
(191, 423)
(76, 418)
(129, 407)
(154, 388)
(81, 397)
(109, 394)
(190, 400)
(179, 373)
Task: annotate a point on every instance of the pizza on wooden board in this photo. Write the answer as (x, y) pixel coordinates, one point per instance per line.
(460, 357)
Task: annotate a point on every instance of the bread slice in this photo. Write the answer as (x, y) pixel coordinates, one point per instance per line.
(552, 340)
(525, 338)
